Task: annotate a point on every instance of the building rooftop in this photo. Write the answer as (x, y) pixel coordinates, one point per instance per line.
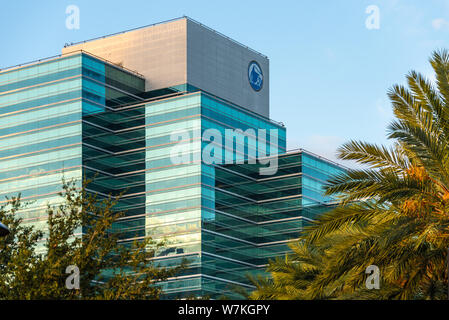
(47, 59)
(164, 22)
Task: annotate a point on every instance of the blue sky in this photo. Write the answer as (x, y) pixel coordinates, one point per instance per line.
(329, 74)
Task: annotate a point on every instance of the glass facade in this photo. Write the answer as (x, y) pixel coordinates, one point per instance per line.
(43, 135)
(256, 216)
(180, 198)
(78, 116)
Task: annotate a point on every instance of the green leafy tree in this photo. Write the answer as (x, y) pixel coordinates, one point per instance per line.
(80, 232)
(394, 210)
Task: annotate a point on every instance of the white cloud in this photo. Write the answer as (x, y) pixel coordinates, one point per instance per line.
(383, 108)
(440, 24)
(430, 75)
(330, 54)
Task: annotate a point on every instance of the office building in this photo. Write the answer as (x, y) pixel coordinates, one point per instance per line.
(138, 111)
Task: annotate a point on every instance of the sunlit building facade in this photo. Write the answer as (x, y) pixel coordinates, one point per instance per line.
(257, 216)
(42, 106)
(137, 111)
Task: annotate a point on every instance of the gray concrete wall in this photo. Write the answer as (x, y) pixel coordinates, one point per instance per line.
(158, 52)
(220, 66)
(183, 51)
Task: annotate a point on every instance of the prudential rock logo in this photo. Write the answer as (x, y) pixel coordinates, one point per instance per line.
(255, 76)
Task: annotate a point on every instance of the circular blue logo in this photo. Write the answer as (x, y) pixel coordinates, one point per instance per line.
(255, 75)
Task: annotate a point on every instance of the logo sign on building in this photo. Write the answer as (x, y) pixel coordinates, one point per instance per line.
(255, 75)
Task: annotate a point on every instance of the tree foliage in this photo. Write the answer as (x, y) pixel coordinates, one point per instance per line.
(393, 211)
(78, 232)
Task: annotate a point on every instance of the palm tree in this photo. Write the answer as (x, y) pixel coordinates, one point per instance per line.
(394, 210)
(291, 276)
